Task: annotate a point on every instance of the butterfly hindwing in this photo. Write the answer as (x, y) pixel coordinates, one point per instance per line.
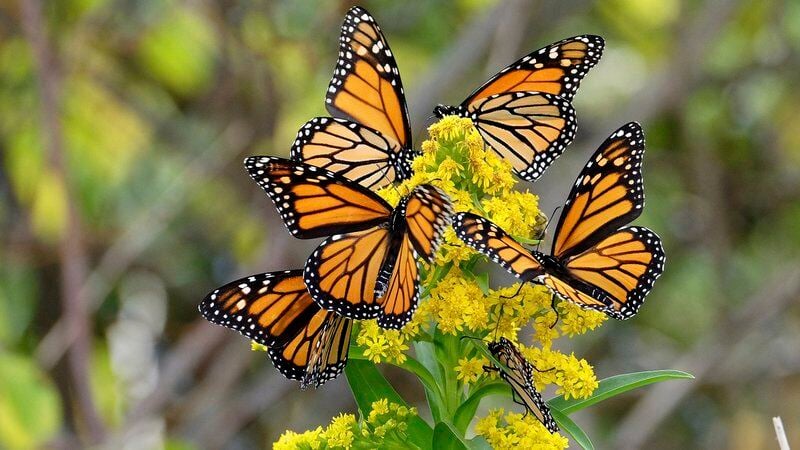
(608, 194)
(623, 265)
(314, 202)
(366, 86)
(487, 238)
(556, 69)
(528, 129)
(427, 214)
(353, 151)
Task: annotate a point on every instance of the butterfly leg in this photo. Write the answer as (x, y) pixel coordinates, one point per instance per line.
(553, 307)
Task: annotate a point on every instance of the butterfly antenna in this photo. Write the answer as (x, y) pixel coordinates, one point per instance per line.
(547, 225)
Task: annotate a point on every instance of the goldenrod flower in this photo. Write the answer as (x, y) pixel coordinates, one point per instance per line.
(381, 344)
(290, 440)
(515, 431)
(469, 370)
(340, 432)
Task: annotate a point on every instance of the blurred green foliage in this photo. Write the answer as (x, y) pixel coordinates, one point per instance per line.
(160, 100)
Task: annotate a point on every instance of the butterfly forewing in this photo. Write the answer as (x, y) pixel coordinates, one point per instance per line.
(268, 308)
(556, 69)
(487, 238)
(366, 85)
(314, 202)
(624, 265)
(608, 194)
(529, 129)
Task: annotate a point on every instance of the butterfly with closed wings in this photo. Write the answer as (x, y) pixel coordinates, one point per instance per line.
(518, 373)
(524, 112)
(306, 342)
(367, 267)
(596, 261)
(368, 139)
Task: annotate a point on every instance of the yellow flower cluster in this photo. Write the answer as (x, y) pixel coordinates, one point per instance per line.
(381, 344)
(515, 431)
(469, 370)
(385, 422)
(574, 377)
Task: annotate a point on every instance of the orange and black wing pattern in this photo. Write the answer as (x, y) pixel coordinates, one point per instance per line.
(314, 202)
(276, 310)
(518, 373)
(624, 266)
(342, 273)
(427, 214)
(373, 273)
(351, 150)
(608, 194)
(556, 69)
(487, 238)
(366, 86)
(528, 129)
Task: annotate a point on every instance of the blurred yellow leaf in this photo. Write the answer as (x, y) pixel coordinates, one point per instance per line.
(180, 51)
(30, 412)
(49, 209)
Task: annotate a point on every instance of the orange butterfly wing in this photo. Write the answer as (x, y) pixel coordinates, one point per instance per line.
(608, 194)
(556, 69)
(366, 85)
(528, 129)
(487, 238)
(624, 265)
(427, 213)
(353, 151)
(276, 310)
(314, 202)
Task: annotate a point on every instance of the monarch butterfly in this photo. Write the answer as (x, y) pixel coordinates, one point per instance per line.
(524, 112)
(594, 263)
(518, 373)
(306, 342)
(369, 138)
(367, 266)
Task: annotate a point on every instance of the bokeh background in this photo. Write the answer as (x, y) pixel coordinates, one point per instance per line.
(123, 201)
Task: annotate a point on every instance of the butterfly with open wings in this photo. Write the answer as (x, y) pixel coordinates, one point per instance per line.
(524, 112)
(596, 261)
(368, 139)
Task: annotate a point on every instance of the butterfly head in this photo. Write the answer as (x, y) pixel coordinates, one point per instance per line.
(444, 110)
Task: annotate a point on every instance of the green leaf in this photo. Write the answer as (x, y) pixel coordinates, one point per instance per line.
(446, 438)
(369, 386)
(466, 411)
(616, 385)
(482, 281)
(572, 429)
(30, 410)
(410, 365)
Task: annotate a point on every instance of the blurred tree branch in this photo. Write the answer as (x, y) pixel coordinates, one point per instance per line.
(776, 295)
(72, 252)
